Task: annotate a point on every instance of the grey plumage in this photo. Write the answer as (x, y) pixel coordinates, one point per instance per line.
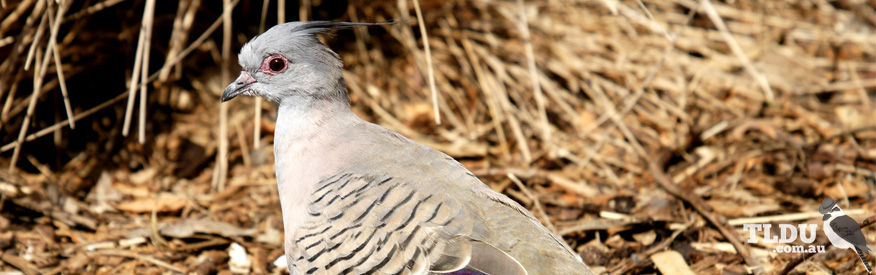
(358, 198)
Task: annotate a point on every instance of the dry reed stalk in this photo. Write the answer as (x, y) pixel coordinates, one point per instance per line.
(144, 72)
(361, 35)
(466, 69)
(500, 96)
(281, 11)
(196, 43)
(39, 74)
(13, 16)
(31, 106)
(492, 106)
(536, 203)
(241, 141)
(37, 37)
(264, 15)
(303, 10)
(27, 32)
(406, 37)
(737, 50)
(59, 70)
(92, 9)
(257, 114)
(441, 77)
(4, 113)
(47, 86)
(6, 41)
(563, 100)
(651, 75)
(59, 67)
(185, 30)
(523, 23)
(182, 23)
(60, 125)
(429, 67)
(257, 108)
(220, 174)
(511, 114)
(385, 116)
(42, 168)
(135, 78)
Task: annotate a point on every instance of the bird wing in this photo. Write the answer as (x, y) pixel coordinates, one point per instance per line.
(365, 224)
(402, 207)
(849, 230)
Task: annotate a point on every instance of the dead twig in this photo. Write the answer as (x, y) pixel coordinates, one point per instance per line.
(644, 258)
(21, 264)
(127, 254)
(535, 202)
(704, 210)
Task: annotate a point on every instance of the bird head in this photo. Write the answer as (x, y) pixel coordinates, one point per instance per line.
(829, 208)
(288, 61)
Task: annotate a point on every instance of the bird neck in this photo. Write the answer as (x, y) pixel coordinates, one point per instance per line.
(305, 133)
(307, 117)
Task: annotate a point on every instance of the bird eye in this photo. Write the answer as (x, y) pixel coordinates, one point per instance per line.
(274, 64)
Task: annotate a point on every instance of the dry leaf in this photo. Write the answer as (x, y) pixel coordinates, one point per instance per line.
(645, 238)
(847, 188)
(165, 202)
(671, 262)
(143, 176)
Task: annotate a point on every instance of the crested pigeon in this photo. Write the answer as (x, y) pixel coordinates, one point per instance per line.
(358, 198)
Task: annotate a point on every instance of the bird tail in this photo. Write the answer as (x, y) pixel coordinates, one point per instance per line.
(861, 254)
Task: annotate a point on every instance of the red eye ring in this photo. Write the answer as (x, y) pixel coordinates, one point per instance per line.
(274, 64)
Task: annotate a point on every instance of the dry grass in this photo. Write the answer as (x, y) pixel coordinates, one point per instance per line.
(630, 127)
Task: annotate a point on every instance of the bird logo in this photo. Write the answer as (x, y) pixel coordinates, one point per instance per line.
(843, 231)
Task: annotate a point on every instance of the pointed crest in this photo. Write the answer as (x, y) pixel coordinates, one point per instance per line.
(318, 27)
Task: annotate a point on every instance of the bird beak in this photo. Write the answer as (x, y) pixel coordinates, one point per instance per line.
(237, 87)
